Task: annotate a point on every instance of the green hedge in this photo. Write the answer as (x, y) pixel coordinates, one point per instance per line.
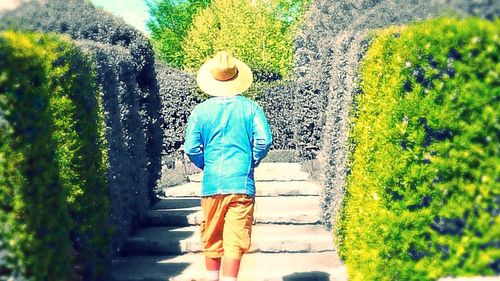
(422, 197)
(125, 71)
(54, 207)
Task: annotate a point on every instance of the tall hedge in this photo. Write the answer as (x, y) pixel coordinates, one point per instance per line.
(326, 63)
(179, 96)
(125, 71)
(422, 196)
(331, 24)
(54, 206)
(126, 142)
(277, 101)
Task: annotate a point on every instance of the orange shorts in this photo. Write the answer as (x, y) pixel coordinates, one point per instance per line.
(227, 226)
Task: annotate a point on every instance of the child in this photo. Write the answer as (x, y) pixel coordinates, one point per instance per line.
(227, 136)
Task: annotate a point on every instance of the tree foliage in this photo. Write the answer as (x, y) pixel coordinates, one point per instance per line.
(169, 23)
(185, 33)
(247, 30)
(289, 12)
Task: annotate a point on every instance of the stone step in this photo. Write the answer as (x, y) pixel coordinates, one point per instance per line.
(324, 266)
(266, 188)
(271, 172)
(265, 239)
(277, 210)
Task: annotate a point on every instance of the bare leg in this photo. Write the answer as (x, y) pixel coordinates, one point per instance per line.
(212, 263)
(230, 267)
(213, 267)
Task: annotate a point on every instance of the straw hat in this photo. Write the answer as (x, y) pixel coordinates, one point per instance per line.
(224, 76)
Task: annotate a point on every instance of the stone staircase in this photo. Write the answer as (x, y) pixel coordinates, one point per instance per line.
(288, 242)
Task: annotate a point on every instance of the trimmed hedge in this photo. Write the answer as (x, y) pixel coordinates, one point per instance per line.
(127, 173)
(125, 73)
(316, 56)
(179, 95)
(327, 57)
(277, 101)
(422, 197)
(53, 196)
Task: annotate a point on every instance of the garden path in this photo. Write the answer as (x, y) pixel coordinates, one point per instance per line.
(289, 243)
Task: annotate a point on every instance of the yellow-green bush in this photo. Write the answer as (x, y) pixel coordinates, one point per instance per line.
(172, 21)
(247, 29)
(53, 199)
(422, 197)
(169, 23)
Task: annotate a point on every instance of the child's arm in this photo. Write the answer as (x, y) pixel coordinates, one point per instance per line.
(261, 136)
(193, 144)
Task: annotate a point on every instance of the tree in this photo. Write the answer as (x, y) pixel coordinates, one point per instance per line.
(289, 12)
(169, 23)
(247, 29)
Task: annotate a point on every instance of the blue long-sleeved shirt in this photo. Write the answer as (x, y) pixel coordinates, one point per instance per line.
(227, 137)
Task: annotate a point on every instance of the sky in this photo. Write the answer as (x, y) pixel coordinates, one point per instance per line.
(135, 12)
(6, 5)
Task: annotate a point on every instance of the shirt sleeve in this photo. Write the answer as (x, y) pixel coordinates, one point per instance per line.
(193, 144)
(261, 136)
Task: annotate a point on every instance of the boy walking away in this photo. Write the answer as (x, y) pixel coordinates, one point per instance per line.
(227, 136)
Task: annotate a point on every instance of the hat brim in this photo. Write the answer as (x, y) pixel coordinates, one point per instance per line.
(240, 83)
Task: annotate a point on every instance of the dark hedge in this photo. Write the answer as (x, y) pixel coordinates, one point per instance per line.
(127, 172)
(327, 59)
(277, 101)
(179, 95)
(131, 97)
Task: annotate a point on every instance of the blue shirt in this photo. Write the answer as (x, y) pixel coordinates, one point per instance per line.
(227, 137)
